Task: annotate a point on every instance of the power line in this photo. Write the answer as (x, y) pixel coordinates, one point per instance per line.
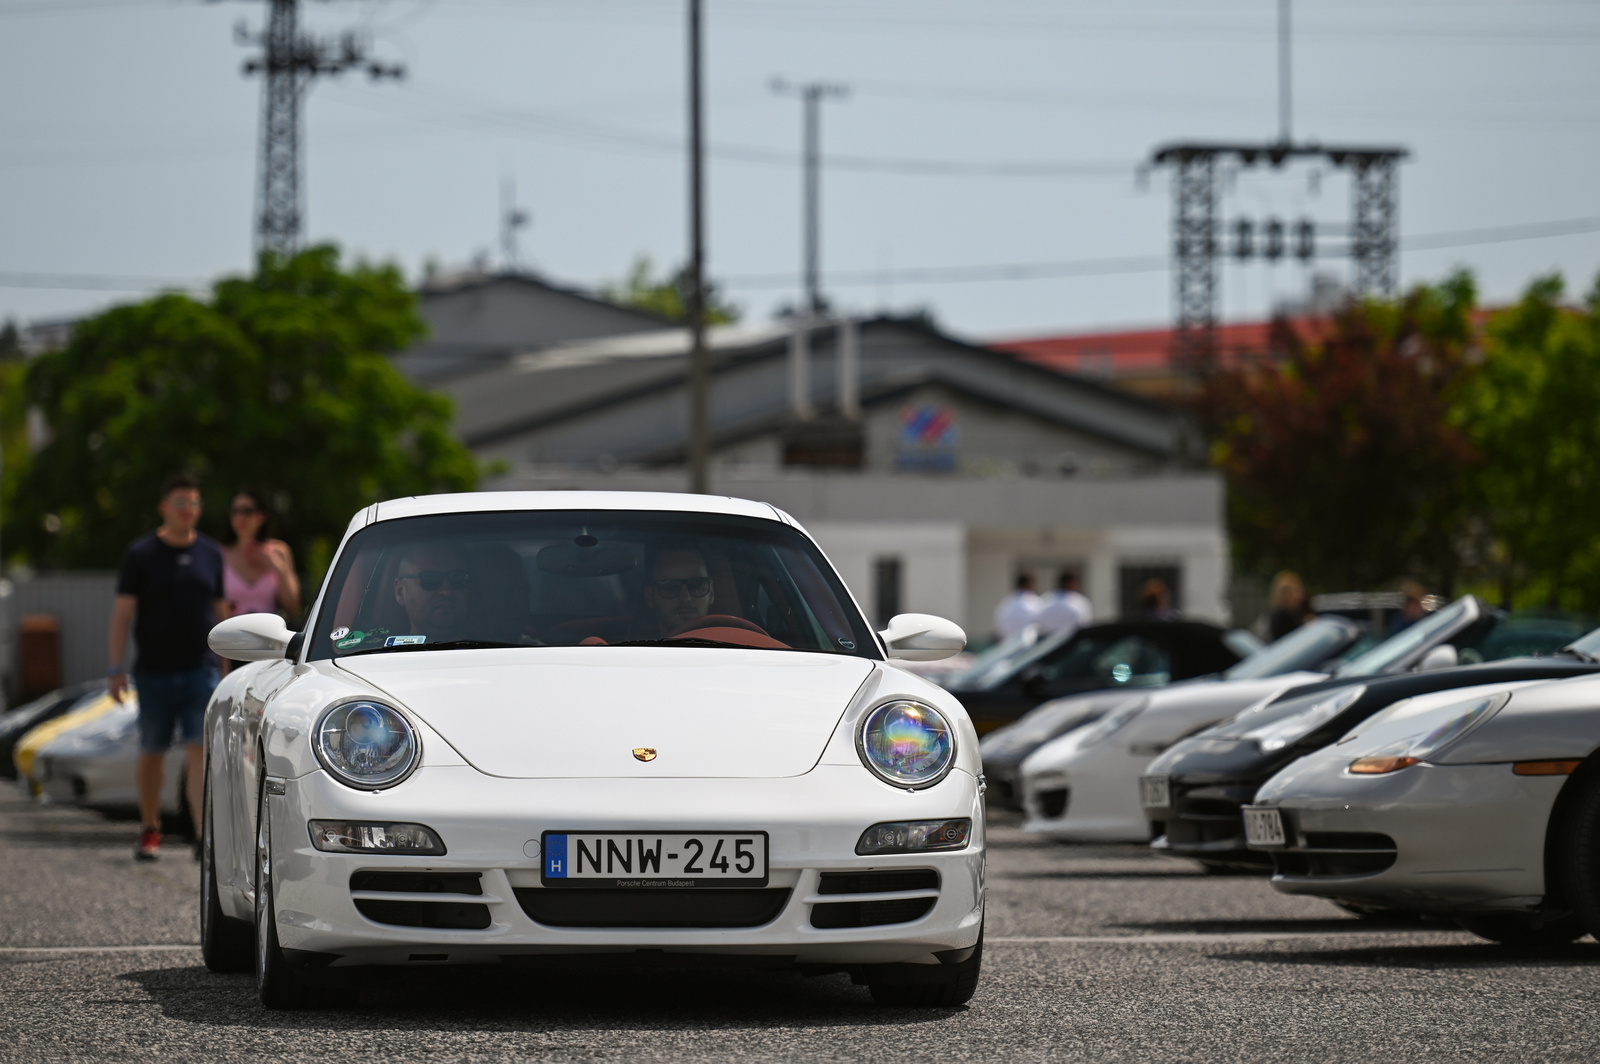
(1015, 271)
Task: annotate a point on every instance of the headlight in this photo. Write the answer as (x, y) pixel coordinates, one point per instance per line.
(1291, 729)
(1410, 751)
(1101, 729)
(366, 745)
(907, 744)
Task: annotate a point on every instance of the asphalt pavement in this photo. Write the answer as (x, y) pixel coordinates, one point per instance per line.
(1093, 953)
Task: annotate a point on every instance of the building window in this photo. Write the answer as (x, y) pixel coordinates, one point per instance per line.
(1133, 580)
(886, 575)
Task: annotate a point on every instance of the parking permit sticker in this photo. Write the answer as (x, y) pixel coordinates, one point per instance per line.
(338, 634)
(354, 639)
(404, 640)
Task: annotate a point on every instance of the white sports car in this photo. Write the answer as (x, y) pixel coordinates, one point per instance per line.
(1482, 804)
(556, 728)
(1086, 785)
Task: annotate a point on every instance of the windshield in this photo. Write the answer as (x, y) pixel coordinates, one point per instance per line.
(1403, 644)
(999, 663)
(590, 578)
(1304, 648)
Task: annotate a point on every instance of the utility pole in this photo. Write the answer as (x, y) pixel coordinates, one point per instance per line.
(290, 61)
(1284, 85)
(811, 95)
(695, 298)
(512, 218)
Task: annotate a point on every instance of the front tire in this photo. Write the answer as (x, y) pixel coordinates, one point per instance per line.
(225, 943)
(277, 982)
(950, 985)
(1577, 863)
(1528, 930)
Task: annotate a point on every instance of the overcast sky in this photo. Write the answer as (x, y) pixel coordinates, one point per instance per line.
(128, 142)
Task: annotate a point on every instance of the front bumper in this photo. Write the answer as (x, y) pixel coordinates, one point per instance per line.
(1204, 821)
(1097, 801)
(1431, 837)
(492, 827)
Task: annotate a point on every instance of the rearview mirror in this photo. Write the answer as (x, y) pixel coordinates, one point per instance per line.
(250, 637)
(922, 637)
(1443, 656)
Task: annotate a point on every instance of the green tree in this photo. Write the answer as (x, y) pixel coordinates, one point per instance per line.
(280, 382)
(664, 295)
(1534, 412)
(1340, 458)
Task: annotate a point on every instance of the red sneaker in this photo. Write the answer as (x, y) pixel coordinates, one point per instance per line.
(149, 845)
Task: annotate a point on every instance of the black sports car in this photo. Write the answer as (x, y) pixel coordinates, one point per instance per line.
(1193, 793)
(1115, 656)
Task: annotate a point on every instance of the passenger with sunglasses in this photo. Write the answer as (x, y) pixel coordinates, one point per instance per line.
(431, 585)
(679, 590)
(259, 576)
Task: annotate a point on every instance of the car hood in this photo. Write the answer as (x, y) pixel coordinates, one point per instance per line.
(581, 711)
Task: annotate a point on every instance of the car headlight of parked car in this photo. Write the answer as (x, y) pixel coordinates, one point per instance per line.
(1273, 737)
(1102, 729)
(367, 745)
(907, 744)
(1410, 751)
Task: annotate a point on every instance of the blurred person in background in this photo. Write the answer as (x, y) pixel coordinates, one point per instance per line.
(169, 591)
(259, 577)
(1067, 608)
(1155, 602)
(1019, 609)
(1411, 609)
(1288, 607)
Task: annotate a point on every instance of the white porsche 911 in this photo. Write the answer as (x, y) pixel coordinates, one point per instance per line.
(1480, 804)
(555, 728)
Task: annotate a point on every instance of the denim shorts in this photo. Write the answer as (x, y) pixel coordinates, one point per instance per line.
(173, 700)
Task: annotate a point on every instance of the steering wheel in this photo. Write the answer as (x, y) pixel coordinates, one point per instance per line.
(726, 628)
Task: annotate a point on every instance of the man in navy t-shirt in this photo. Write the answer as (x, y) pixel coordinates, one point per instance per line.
(169, 591)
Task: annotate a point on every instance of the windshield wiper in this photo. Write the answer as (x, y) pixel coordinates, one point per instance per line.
(688, 641)
(1581, 655)
(451, 644)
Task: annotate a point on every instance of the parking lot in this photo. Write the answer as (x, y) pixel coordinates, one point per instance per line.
(1093, 953)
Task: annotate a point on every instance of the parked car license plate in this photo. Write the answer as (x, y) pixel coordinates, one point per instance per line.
(653, 859)
(1154, 791)
(1263, 827)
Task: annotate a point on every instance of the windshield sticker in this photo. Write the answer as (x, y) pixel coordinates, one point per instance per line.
(338, 634)
(353, 640)
(404, 640)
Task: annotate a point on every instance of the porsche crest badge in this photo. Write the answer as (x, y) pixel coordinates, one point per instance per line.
(645, 753)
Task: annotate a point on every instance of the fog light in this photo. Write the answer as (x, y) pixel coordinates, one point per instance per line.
(344, 836)
(915, 836)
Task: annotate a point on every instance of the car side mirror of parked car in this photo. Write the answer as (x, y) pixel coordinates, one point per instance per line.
(922, 637)
(1443, 656)
(251, 637)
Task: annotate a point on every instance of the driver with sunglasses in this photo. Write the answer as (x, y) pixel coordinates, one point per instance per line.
(679, 590)
(431, 586)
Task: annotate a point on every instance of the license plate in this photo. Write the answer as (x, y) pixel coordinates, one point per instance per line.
(651, 859)
(1263, 827)
(1155, 791)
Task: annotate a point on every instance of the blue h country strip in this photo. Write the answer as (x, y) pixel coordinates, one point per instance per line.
(555, 856)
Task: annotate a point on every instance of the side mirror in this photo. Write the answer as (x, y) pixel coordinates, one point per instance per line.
(922, 637)
(1443, 656)
(251, 637)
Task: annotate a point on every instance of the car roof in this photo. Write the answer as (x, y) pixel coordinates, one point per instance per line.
(486, 501)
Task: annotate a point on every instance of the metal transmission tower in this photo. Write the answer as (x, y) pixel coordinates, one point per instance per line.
(291, 60)
(1374, 212)
(812, 94)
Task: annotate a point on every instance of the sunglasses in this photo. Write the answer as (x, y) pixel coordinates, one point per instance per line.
(697, 586)
(244, 511)
(434, 579)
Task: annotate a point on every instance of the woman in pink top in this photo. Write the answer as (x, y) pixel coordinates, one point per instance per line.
(259, 575)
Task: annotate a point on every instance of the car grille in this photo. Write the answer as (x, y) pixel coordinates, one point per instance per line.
(414, 912)
(605, 907)
(1336, 853)
(1053, 804)
(863, 910)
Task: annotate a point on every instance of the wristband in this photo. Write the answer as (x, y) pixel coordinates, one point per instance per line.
(116, 670)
